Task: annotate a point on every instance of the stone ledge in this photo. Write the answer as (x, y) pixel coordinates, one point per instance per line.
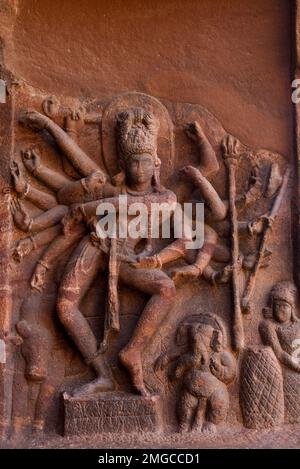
(111, 413)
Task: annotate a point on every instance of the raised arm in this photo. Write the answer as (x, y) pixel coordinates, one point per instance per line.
(49, 177)
(208, 159)
(210, 196)
(253, 193)
(77, 157)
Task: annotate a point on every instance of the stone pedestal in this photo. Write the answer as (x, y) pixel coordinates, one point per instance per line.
(111, 413)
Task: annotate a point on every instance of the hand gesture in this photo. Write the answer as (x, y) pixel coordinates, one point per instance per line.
(94, 180)
(22, 249)
(191, 173)
(72, 219)
(19, 180)
(75, 120)
(230, 146)
(38, 279)
(31, 160)
(195, 132)
(21, 218)
(148, 262)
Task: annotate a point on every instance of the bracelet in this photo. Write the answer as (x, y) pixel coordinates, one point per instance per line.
(33, 242)
(35, 171)
(71, 131)
(25, 193)
(199, 268)
(84, 185)
(158, 261)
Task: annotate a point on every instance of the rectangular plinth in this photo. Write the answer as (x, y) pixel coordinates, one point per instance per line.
(111, 413)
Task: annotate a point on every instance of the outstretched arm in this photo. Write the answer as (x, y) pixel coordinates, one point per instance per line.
(89, 188)
(25, 191)
(78, 158)
(51, 178)
(26, 223)
(24, 246)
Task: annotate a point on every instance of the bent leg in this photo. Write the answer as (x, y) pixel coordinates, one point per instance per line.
(156, 283)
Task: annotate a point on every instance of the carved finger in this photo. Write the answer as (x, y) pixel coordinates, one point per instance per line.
(13, 208)
(14, 168)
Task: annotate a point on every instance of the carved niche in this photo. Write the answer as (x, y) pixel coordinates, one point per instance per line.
(145, 335)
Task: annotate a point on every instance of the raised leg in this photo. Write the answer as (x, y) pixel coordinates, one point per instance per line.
(156, 283)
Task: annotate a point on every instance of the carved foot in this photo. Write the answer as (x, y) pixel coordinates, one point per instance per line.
(132, 362)
(198, 426)
(100, 384)
(184, 428)
(208, 428)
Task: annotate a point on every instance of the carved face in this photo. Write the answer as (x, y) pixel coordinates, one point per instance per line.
(282, 311)
(140, 168)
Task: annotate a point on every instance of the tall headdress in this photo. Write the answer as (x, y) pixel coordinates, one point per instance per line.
(137, 131)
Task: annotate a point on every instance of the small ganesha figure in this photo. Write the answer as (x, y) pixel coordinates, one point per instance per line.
(204, 372)
(281, 331)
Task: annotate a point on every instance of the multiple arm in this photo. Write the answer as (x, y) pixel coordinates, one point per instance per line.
(49, 177)
(77, 157)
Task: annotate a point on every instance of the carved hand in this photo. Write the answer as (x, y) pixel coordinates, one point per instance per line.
(194, 131)
(214, 364)
(94, 180)
(190, 172)
(72, 218)
(34, 120)
(21, 218)
(22, 249)
(75, 120)
(230, 146)
(39, 277)
(148, 262)
(19, 180)
(31, 160)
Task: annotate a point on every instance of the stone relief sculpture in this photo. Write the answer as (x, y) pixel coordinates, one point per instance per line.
(205, 370)
(106, 309)
(279, 330)
(270, 376)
